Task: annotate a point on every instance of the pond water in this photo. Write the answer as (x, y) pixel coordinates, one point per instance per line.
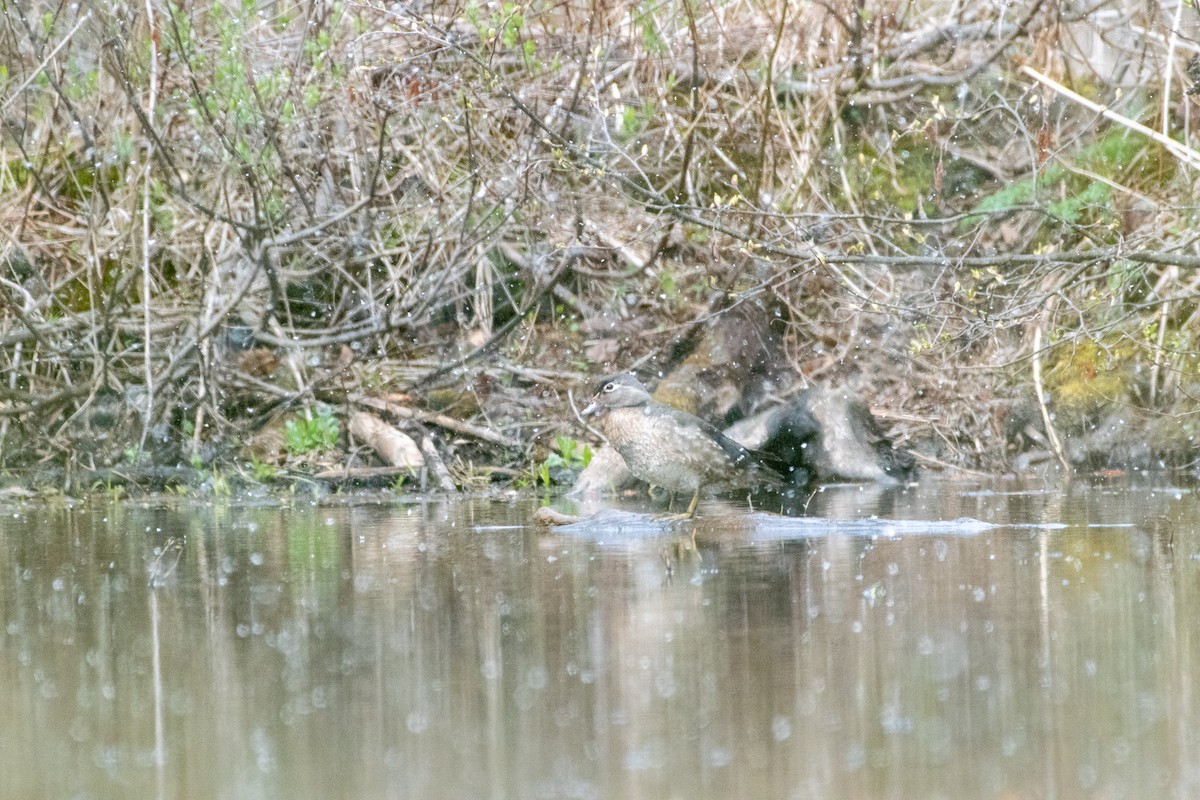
(885, 647)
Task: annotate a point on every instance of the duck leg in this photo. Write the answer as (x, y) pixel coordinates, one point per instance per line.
(689, 514)
(655, 493)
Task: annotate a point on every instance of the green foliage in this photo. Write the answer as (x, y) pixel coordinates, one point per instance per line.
(219, 484)
(635, 119)
(304, 434)
(564, 466)
(574, 452)
(239, 105)
(506, 24)
(899, 177)
(667, 286)
(643, 19)
(113, 491)
(1115, 151)
(1122, 276)
(83, 85)
(1081, 199)
(318, 47)
(275, 207)
(1014, 194)
(164, 219)
(260, 471)
(1071, 209)
(312, 96)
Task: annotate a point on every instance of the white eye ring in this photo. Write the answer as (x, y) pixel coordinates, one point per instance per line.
(608, 387)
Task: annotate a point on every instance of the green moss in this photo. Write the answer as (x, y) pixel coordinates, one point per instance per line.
(81, 295)
(1086, 378)
(903, 177)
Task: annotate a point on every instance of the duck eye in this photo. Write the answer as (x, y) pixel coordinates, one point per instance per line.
(608, 387)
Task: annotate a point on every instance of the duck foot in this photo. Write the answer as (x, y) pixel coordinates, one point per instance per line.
(676, 517)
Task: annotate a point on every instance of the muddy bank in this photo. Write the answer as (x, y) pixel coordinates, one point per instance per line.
(502, 427)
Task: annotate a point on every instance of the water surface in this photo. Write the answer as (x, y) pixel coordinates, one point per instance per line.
(449, 649)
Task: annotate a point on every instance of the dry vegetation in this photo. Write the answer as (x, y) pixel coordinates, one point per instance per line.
(214, 214)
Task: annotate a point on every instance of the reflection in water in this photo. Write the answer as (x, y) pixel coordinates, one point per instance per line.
(450, 650)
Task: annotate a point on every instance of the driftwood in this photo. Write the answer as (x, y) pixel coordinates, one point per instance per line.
(397, 449)
(438, 467)
(549, 518)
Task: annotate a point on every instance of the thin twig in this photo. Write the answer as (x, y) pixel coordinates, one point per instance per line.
(16, 92)
(1051, 435)
(1181, 151)
(441, 420)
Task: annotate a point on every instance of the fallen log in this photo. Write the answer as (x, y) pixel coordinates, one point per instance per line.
(396, 448)
(440, 420)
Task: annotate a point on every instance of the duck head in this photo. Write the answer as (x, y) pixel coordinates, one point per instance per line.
(619, 390)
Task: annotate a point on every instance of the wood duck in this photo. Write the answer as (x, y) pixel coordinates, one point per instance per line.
(670, 448)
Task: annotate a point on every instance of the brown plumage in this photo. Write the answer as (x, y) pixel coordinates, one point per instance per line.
(670, 448)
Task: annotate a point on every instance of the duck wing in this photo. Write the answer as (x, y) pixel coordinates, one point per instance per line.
(764, 466)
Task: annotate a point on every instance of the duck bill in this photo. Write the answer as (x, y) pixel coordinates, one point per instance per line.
(590, 408)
